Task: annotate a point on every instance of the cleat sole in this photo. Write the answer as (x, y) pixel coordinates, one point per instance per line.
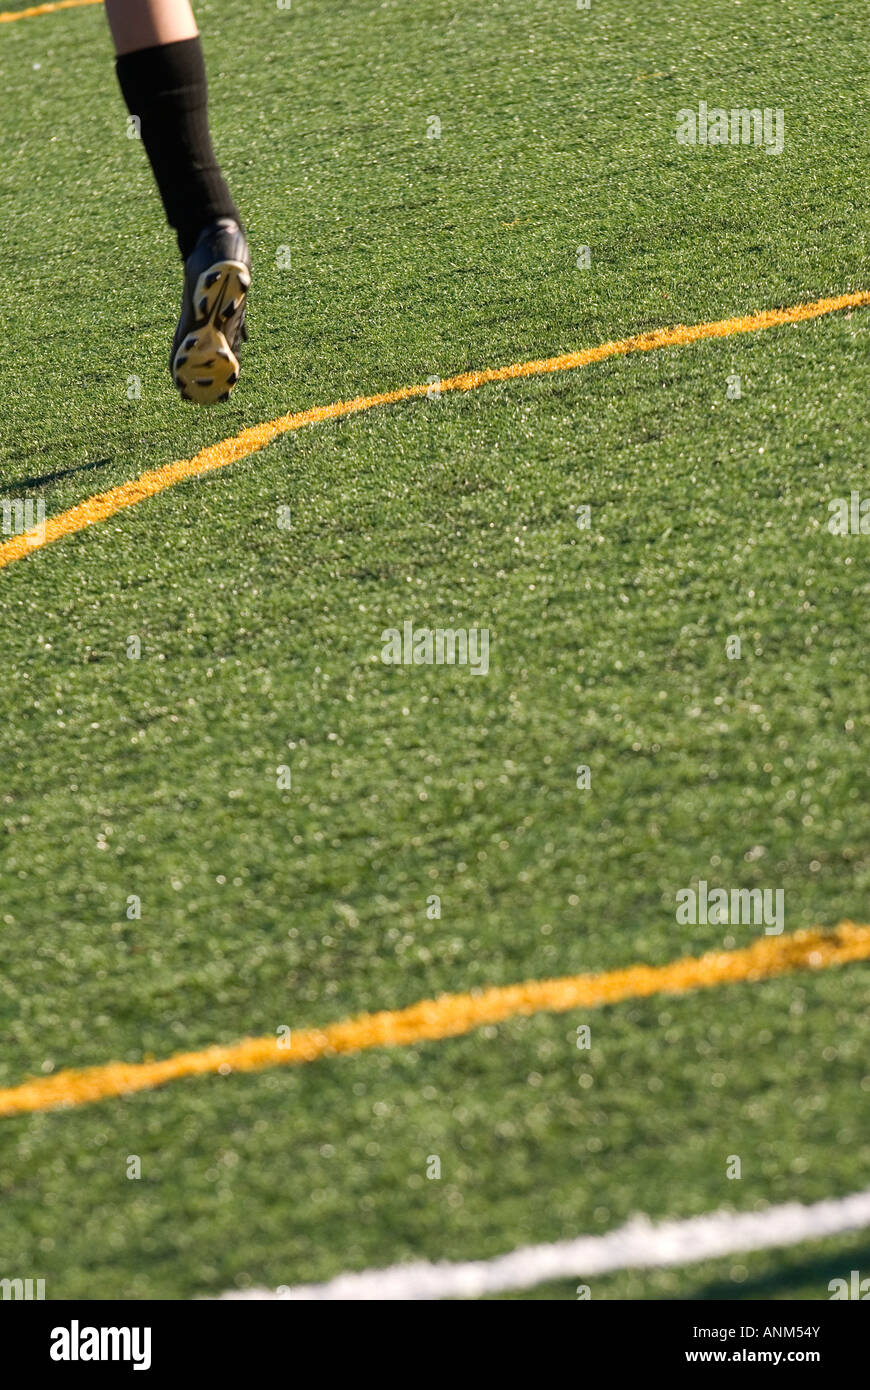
(219, 297)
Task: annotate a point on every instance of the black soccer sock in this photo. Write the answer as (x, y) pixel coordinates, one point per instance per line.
(165, 87)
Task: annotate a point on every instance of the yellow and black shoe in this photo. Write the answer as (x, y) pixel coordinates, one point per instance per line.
(217, 276)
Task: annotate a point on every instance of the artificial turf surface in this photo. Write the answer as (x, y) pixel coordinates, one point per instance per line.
(260, 645)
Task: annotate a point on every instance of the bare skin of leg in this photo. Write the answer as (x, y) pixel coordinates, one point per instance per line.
(139, 24)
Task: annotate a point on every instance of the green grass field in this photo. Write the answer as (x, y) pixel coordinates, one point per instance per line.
(413, 258)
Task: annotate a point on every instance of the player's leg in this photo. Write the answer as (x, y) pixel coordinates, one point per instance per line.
(161, 72)
(146, 25)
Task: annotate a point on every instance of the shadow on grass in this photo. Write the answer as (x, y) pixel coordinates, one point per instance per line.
(819, 1271)
(53, 477)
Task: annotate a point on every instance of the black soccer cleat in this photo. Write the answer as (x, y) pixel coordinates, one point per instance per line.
(217, 276)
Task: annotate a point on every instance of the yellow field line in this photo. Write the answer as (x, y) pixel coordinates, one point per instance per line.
(450, 1015)
(30, 13)
(106, 504)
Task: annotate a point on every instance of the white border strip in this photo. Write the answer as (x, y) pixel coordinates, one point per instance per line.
(637, 1245)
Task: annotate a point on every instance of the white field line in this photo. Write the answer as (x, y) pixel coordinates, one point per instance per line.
(637, 1245)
